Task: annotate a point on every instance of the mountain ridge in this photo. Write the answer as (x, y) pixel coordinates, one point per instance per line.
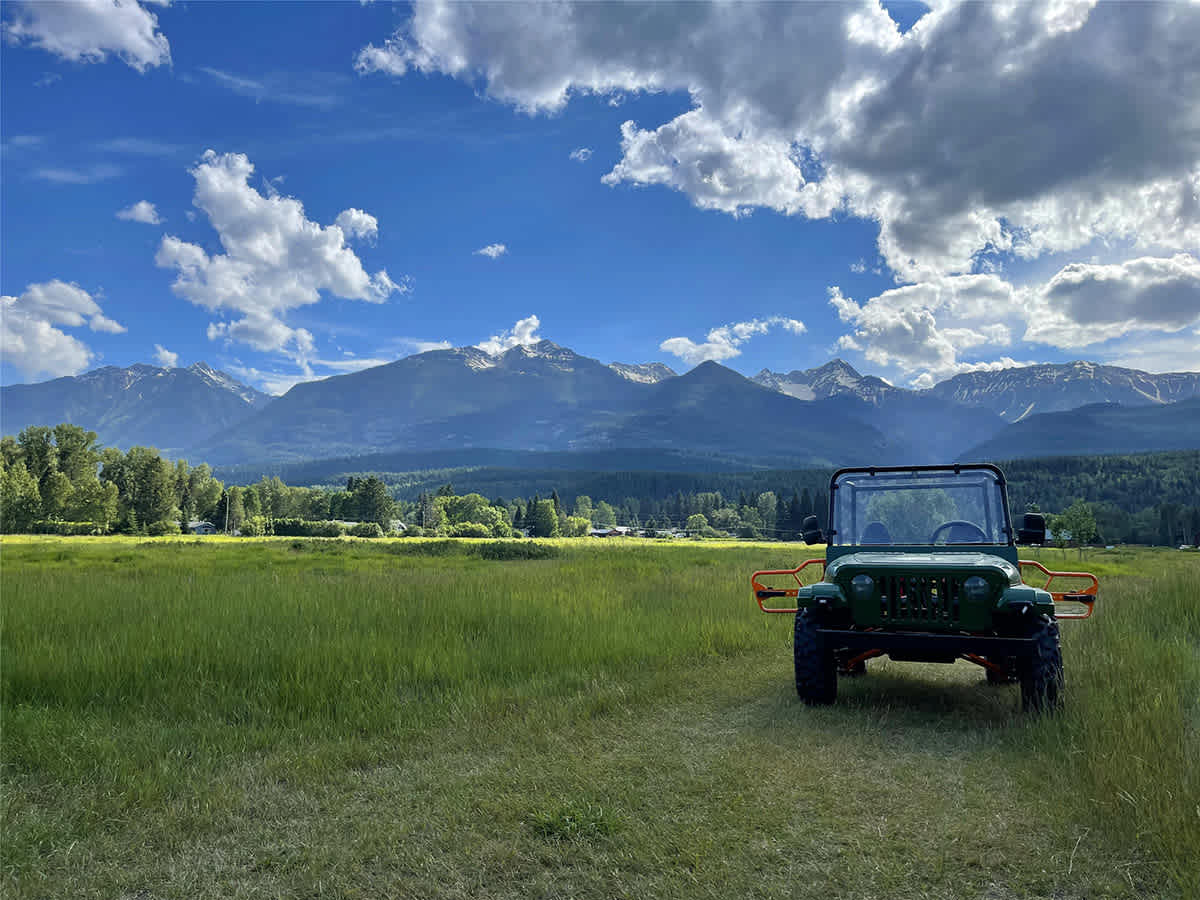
(547, 398)
(166, 407)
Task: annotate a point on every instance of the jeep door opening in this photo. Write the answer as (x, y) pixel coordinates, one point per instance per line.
(921, 566)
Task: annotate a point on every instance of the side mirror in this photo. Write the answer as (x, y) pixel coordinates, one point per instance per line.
(1032, 530)
(810, 531)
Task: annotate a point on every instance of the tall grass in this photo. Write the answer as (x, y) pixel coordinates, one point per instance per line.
(334, 637)
(1126, 752)
(131, 672)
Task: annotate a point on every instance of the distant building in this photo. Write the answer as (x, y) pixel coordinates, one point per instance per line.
(201, 527)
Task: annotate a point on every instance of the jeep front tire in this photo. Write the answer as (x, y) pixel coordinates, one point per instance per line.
(1042, 673)
(816, 668)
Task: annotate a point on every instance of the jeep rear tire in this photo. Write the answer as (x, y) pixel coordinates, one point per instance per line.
(1042, 673)
(816, 668)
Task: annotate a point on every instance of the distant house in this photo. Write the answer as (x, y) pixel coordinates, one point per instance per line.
(201, 527)
(604, 532)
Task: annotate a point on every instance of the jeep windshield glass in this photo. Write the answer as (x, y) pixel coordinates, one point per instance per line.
(938, 507)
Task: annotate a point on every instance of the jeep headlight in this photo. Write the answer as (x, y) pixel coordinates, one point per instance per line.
(862, 587)
(976, 589)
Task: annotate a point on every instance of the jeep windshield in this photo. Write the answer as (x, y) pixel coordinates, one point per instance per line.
(919, 507)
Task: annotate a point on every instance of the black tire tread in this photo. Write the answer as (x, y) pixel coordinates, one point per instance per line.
(816, 668)
(1042, 673)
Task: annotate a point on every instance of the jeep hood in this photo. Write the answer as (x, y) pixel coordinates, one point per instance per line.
(932, 562)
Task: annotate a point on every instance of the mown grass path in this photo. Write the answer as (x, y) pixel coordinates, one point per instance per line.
(345, 719)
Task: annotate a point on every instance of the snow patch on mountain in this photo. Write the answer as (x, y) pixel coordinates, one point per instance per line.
(643, 373)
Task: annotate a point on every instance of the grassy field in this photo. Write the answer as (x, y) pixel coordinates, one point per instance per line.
(421, 718)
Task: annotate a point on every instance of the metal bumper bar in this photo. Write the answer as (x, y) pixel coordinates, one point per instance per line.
(923, 641)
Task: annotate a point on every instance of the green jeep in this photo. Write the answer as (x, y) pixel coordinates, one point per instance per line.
(922, 566)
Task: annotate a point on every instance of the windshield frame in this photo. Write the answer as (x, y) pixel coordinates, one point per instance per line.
(951, 471)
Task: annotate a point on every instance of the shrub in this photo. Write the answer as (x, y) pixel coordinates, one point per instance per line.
(516, 550)
(306, 528)
(161, 527)
(256, 526)
(366, 530)
(470, 530)
(48, 526)
(413, 531)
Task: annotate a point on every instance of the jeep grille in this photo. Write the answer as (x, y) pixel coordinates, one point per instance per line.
(919, 599)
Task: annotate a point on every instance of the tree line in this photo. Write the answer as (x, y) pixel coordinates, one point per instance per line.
(60, 480)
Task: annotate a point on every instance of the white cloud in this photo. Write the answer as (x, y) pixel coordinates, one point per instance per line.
(858, 268)
(725, 341)
(143, 211)
(88, 175)
(136, 146)
(523, 334)
(1086, 303)
(1177, 353)
(165, 357)
(1010, 128)
(581, 154)
(426, 346)
(31, 326)
(923, 329)
(87, 31)
(313, 89)
(274, 383)
(357, 224)
(275, 260)
(492, 251)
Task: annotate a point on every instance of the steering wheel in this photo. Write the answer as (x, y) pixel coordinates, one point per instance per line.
(945, 526)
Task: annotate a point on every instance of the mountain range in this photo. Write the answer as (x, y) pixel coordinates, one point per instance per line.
(544, 398)
(169, 408)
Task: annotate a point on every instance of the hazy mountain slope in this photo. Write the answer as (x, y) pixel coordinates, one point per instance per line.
(715, 408)
(540, 398)
(918, 427)
(532, 398)
(1097, 429)
(1028, 390)
(165, 408)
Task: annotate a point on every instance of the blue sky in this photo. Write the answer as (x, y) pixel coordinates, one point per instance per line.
(747, 214)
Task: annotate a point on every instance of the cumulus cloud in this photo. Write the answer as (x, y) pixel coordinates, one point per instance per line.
(523, 334)
(1085, 304)
(986, 128)
(142, 211)
(725, 341)
(357, 224)
(31, 328)
(581, 154)
(276, 259)
(88, 31)
(923, 329)
(165, 357)
(492, 251)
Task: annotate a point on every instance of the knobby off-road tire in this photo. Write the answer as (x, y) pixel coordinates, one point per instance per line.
(816, 668)
(1042, 673)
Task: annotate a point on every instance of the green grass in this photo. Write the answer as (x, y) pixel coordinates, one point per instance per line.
(421, 718)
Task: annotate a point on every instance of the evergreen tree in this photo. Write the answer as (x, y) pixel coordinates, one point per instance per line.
(543, 521)
(374, 502)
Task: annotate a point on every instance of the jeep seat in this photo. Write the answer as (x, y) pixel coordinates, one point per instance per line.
(875, 533)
